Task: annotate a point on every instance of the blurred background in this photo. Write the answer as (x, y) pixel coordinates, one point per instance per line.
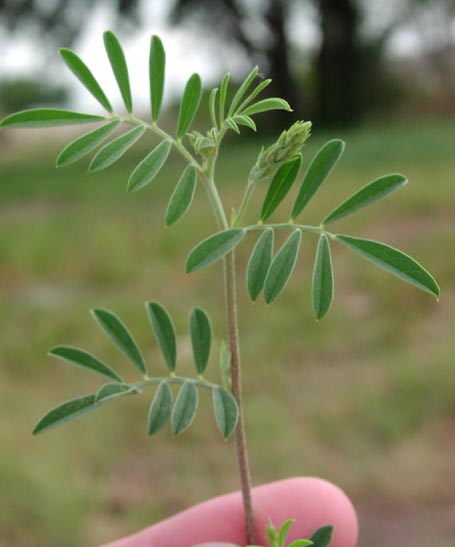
(365, 398)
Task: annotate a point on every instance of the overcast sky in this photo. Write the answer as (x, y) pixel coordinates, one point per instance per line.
(185, 53)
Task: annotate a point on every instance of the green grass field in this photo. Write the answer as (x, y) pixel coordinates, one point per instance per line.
(365, 398)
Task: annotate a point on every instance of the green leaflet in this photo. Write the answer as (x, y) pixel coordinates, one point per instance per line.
(212, 106)
(184, 409)
(226, 411)
(322, 288)
(111, 391)
(284, 531)
(157, 67)
(266, 105)
(319, 168)
(82, 146)
(322, 536)
(67, 411)
(280, 186)
(120, 335)
(242, 90)
(231, 124)
(190, 104)
(160, 409)
(258, 89)
(85, 76)
(119, 68)
(182, 196)
(85, 360)
(240, 119)
(301, 543)
(225, 365)
(115, 149)
(259, 263)
(164, 332)
(393, 261)
(378, 189)
(48, 117)
(223, 93)
(282, 266)
(201, 338)
(213, 248)
(149, 167)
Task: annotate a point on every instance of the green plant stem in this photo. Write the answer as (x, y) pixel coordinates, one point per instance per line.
(174, 380)
(288, 226)
(251, 185)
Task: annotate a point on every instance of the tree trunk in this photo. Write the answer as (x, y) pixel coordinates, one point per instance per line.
(338, 63)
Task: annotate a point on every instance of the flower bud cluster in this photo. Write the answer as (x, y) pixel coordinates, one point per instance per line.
(288, 144)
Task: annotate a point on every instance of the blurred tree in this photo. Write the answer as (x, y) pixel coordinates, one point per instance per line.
(19, 93)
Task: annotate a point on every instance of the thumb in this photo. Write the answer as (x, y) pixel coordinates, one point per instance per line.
(312, 502)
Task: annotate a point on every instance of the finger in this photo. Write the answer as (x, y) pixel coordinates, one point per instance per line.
(312, 502)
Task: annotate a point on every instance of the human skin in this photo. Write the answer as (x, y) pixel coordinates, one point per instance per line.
(219, 522)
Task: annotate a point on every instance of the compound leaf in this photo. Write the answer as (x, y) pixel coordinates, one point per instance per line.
(322, 288)
(280, 186)
(48, 117)
(65, 412)
(190, 104)
(375, 190)
(259, 263)
(394, 261)
(184, 409)
(115, 149)
(149, 167)
(120, 335)
(85, 76)
(322, 536)
(213, 248)
(164, 332)
(319, 168)
(201, 338)
(182, 196)
(266, 105)
(157, 67)
(85, 360)
(83, 145)
(160, 409)
(226, 411)
(119, 67)
(282, 266)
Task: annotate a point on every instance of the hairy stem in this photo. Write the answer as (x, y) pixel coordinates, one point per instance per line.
(240, 438)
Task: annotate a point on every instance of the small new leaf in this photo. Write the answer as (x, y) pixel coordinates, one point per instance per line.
(85, 76)
(182, 196)
(115, 149)
(149, 167)
(213, 248)
(164, 332)
(322, 536)
(242, 90)
(85, 360)
(160, 409)
(48, 117)
(266, 105)
(322, 288)
(258, 89)
(394, 261)
(157, 67)
(111, 391)
(282, 267)
(226, 411)
(378, 189)
(119, 68)
(120, 335)
(259, 263)
(82, 146)
(190, 104)
(184, 409)
(317, 172)
(231, 124)
(67, 411)
(284, 531)
(201, 338)
(280, 186)
(240, 119)
(222, 99)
